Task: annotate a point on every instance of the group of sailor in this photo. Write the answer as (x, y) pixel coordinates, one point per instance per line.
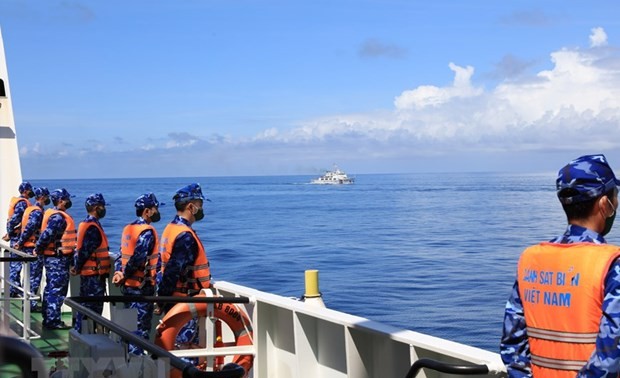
(176, 265)
(50, 236)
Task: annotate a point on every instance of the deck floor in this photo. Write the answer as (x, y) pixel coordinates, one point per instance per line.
(52, 343)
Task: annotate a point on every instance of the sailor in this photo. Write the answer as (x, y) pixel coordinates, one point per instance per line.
(184, 264)
(91, 258)
(135, 270)
(562, 317)
(57, 243)
(17, 206)
(30, 231)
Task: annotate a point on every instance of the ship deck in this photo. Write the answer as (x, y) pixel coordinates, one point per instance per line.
(53, 344)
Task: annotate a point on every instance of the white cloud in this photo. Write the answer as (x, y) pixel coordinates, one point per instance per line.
(271, 133)
(598, 37)
(576, 103)
(428, 95)
(572, 106)
(575, 82)
(35, 149)
(177, 144)
(181, 140)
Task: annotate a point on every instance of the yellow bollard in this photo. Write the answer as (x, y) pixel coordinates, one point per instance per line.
(312, 284)
(313, 295)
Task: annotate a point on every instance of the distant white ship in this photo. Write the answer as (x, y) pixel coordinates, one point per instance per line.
(335, 177)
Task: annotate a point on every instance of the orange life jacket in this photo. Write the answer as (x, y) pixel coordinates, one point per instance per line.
(561, 287)
(145, 275)
(35, 235)
(200, 276)
(12, 204)
(68, 241)
(99, 261)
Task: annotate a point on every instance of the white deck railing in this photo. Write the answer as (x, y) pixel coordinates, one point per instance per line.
(22, 318)
(294, 339)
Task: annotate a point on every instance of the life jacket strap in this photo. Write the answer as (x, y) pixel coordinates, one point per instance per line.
(563, 337)
(552, 363)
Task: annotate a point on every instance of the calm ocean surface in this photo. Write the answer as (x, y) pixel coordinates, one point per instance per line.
(433, 253)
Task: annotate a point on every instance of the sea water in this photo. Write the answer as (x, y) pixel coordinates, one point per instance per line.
(433, 253)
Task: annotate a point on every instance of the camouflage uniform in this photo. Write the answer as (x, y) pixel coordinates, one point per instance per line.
(183, 254)
(56, 272)
(13, 225)
(591, 177)
(145, 245)
(95, 285)
(33, 227)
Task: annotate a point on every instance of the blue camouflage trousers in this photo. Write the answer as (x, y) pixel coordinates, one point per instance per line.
(91, 286)
(188, 334)
(36, 273)
(55, 291)
(15, 274)
(145, 313)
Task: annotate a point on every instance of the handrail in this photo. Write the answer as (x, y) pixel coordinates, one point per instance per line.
(25, 259)
(189, 370)
(22, 255)
(16, 352)
(21, 259)
(163, 299)
(443, 367)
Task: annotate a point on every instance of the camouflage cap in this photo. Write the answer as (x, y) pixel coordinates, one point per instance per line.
(24, 186)
(95, 199)
(188, 193)
(58, 194)
(41, 192)
(589, 176)
(146, 201)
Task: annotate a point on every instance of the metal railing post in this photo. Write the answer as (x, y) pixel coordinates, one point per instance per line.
(6, 288)
(23, 258)
(188, 370)
(26, 301)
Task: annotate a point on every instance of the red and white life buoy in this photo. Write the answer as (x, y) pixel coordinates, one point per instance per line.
(174, 320)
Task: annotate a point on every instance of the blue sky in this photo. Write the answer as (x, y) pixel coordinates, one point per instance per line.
(217, 88)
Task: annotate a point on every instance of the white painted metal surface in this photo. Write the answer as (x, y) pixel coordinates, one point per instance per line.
(294, 339)
(10, 168)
